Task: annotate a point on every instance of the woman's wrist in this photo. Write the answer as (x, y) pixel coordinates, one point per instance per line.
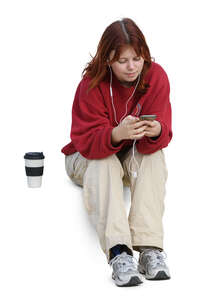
(115, 136)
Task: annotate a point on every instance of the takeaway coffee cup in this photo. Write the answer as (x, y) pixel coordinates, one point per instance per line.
(34, 166)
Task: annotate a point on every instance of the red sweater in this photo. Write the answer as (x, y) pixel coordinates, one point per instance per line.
(93, 115)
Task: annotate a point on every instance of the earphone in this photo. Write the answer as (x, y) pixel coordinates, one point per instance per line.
(133, 173)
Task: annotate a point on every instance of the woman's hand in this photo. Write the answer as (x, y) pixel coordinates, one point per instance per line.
(130, 128)
(133, 129)
(153, 129)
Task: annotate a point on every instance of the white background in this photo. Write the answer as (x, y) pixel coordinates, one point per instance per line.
(48, 248)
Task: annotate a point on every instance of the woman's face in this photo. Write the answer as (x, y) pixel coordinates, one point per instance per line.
(128, 66)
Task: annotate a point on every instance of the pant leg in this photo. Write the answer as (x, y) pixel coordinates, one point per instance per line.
(103, 197)
(147, 198)
(76, 165)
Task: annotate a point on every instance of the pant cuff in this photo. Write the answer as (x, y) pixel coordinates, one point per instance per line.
(136, 244)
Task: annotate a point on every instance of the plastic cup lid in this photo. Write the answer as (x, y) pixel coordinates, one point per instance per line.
(34, 155)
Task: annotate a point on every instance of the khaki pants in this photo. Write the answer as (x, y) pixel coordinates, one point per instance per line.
(102, 181)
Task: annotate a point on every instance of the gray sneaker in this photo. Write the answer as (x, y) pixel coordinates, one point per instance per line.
(125, 270)
(152, 265)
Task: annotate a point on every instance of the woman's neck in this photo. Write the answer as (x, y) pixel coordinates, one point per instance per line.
(127, 83)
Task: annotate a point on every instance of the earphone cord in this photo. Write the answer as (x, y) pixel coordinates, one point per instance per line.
(127, 100)
(134, 174)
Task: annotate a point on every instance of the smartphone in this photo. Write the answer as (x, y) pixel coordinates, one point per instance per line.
(147, 117)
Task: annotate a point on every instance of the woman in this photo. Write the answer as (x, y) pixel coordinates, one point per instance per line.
(111, 147)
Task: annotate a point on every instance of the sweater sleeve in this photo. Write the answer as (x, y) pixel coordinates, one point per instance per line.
(91, 129)
(159, 105)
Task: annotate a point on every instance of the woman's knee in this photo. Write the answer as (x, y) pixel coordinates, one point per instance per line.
(110, 161)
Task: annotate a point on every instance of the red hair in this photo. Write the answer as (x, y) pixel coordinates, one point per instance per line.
(115, 36)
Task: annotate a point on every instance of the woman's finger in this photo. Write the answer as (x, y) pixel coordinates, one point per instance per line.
(137, 136)
(141, 129)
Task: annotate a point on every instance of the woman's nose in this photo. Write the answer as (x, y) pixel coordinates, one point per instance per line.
(130, 65)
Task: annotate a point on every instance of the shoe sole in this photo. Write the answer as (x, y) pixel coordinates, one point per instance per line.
(132, 282)
(161, 275)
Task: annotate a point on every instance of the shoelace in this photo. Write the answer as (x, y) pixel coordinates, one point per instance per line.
(156, 257)
(124, 262)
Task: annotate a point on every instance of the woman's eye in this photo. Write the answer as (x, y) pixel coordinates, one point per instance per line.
(124, 61)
